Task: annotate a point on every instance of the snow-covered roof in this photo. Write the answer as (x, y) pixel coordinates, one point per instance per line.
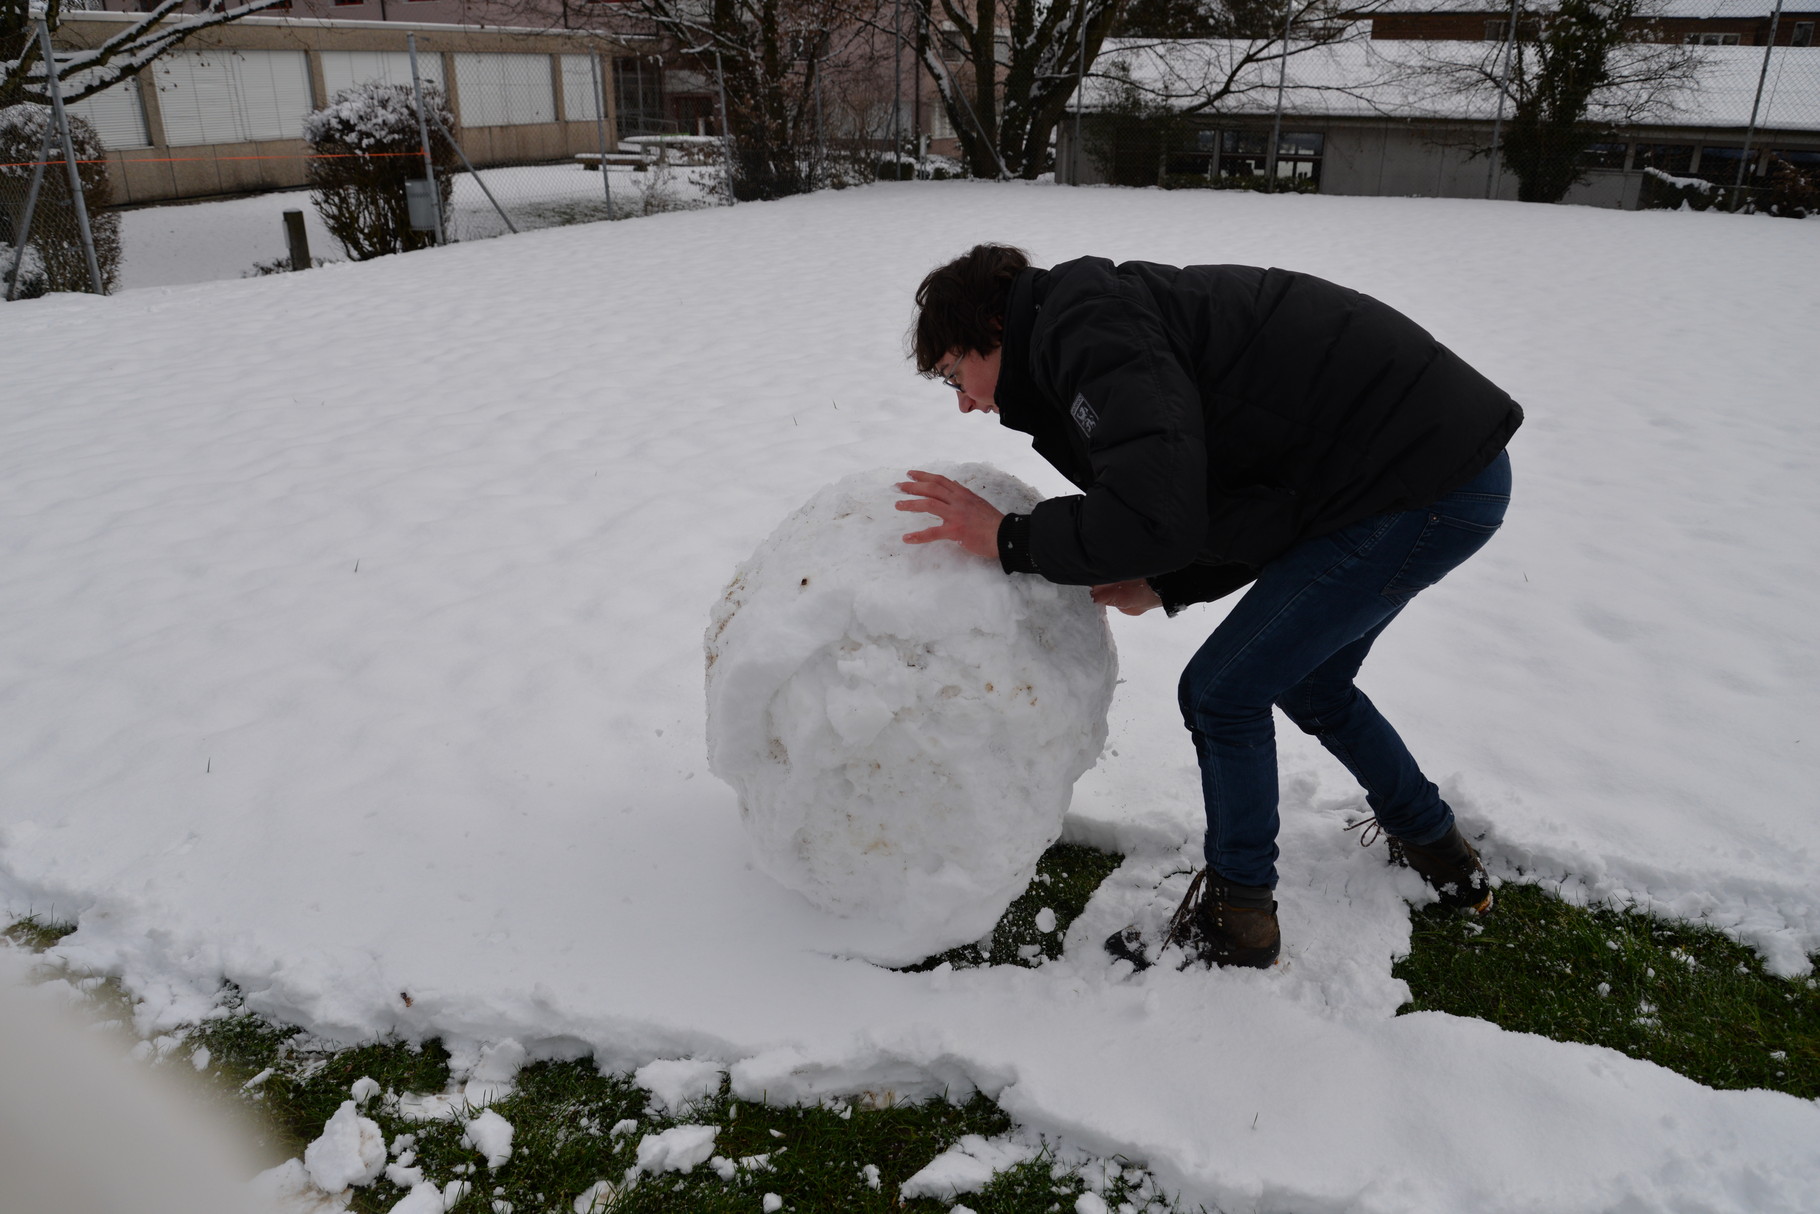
(1735, 10)
(1404, 79)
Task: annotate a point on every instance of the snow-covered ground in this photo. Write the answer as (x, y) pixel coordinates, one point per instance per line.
(352, 644)
(164, 246)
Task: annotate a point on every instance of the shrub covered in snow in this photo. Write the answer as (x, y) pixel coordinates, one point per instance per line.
(54, 260)
(364, 146)
(903, 723)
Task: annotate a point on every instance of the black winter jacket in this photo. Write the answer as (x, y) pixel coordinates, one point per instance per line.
(1215, 416)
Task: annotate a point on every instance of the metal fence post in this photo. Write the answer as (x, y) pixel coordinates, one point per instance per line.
(600, 126)
(423, 133)
(55, 88)
(1080, 98)
(1276, 123)
(1493, 171)
(726, 128)
(1756, 107)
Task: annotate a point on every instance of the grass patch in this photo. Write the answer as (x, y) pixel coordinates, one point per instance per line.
(1066, 877)
(36, 934)
(1677, 994)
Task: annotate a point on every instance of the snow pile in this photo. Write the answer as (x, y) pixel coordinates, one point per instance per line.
(351, 1151)
(676, 1083)
(681, 1149)
(903, 723)
(494, 1073)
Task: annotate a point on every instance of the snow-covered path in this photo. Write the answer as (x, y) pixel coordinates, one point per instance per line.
(352, 649)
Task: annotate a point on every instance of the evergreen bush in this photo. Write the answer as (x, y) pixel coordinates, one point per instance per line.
(364, 146)
(54, 260)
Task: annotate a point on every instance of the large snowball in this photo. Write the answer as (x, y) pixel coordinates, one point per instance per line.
(903, 723)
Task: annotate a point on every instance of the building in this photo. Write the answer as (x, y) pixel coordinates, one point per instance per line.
(1373, 117)
(1701, 22)
(223, 113)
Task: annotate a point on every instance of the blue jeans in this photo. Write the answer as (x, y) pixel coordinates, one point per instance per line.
(1297, 640)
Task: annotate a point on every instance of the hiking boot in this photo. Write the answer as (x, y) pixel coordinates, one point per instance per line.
(1450, 866)
(1217, 924)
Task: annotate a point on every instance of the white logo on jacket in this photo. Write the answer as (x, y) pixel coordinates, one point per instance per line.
(1083, 415)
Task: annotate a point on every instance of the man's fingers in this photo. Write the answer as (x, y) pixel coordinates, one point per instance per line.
(924, 537)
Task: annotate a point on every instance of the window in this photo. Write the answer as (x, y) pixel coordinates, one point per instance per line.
(345, 69)
(504, 90)
(1803, 35)
(638, 97)
(1721, 164)
(1494, 30)
(232, 96)
(582, 87)
(1712, 40)
(116, 113)
(1676, 159)
(1603, 156)
(1247, 154)
(1808, 161)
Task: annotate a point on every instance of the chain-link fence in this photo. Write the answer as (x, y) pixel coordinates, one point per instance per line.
(1677, 124)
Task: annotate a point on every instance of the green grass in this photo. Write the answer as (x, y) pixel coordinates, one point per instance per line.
(36, 934)
(1677, 994)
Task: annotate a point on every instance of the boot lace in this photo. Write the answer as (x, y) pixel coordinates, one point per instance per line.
(1184, 914)
(1370, 834)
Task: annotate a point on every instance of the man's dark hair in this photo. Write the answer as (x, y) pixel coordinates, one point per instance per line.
(961, 306)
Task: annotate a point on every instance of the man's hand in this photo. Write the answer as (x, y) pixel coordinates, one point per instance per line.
(1133, 598)
(967, 518)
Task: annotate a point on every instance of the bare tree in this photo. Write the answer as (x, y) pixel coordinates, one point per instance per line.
(1571, 77)
(123, 55)
(1019, 61)
(781, 63)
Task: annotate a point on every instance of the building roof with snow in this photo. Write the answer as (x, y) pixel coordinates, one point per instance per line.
(1419, 80)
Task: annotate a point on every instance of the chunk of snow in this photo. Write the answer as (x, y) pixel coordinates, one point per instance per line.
(676, 1083)
(623, 1127)
(404, 1175)
(1090, 1203)
(1045, 920)
(287, 1187)
(870, 1172)
(773, 1203)
(492, 1077)
(350, 1152)
(679, 1149)
(424, 1198)
(724, 1168)
(966, 1167)
(364, 1089)
(491, 1135)
(903, 723)
(200, 1058)
(596, 1197)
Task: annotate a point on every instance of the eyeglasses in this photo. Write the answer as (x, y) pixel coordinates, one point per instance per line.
(948, 377)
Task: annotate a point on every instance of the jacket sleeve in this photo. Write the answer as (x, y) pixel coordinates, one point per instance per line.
(1146, 510)
(1201, 583)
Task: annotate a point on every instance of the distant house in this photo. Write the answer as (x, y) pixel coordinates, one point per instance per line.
(1371, 117)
